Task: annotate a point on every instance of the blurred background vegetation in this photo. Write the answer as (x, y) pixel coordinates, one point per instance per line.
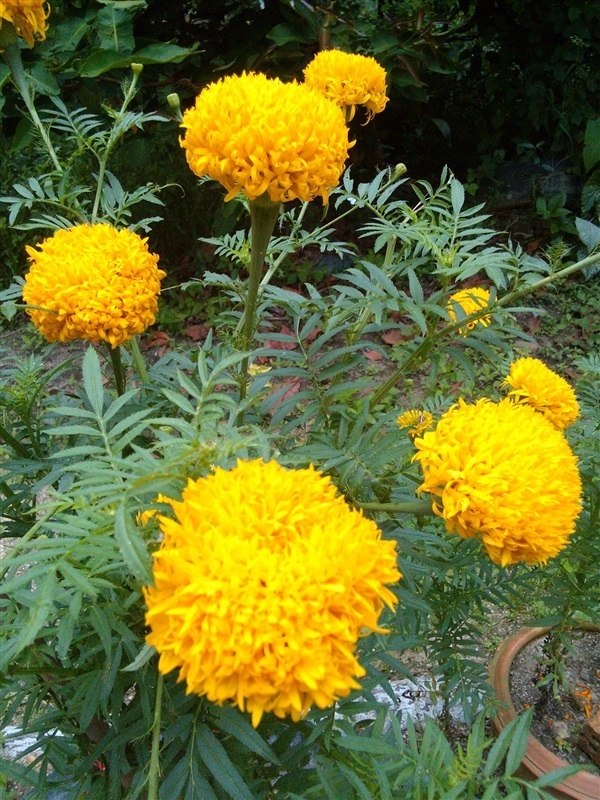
(504, 91)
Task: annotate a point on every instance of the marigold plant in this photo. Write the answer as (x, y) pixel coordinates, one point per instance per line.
(259, 135)
(28, 17)
(349, 80)
(263, 584)
(505, 475)
(416, 421)
(470, 300)
(92, 282)
(532, 382)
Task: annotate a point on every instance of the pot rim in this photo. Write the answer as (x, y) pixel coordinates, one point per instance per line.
(538, 759)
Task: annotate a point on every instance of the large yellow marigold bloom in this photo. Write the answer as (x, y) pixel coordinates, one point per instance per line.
(92, 282)
(256, 134)
(416, 421)
(28, 18)
(349, 80)
(505, 475)
(470, 300)
(532, 382)
(262, 586)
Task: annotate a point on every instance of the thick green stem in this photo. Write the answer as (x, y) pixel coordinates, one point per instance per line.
(409, 507)
(263, 216)
(117, 365)
(12, 55)
(138, 360)
(154, 772)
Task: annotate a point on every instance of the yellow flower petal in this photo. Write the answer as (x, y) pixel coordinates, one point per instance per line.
(504, 475)
(256, 134)
(470, 300)
(534, 383)
(28, 18)
(349, 80)
(416, 421)
(262, 586)
(96, 282)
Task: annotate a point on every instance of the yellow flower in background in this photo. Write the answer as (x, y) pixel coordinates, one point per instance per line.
(28, 17)
(262, 586)
(416, 421)
(143, 517)
(532, 382)
(349, 80)
(259, 135)
(92, 282)
(470, 300)
(504, 475)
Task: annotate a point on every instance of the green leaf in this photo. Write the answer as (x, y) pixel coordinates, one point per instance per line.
(590, 194)
(43, 81)
(457, 194)
(520, 734)
(231, 721)
(142, 658)
(162, 53)
(588, 233)
(557, 775)
(115, 29)
(591, 144)
(39, 612)
(92, 380)
(286, 32)
(214, 755)
(132, 546)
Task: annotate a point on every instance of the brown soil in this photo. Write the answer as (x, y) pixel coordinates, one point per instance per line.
(557, 722)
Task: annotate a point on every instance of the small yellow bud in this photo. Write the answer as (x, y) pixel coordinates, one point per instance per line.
(137, 69)
(400, 170)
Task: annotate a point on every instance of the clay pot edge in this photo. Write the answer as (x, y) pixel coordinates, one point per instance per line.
(538, 759)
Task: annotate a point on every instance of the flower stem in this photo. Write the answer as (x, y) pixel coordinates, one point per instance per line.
(409, 507)
(115, 136)
(155, 753)
(117, 365)
(263, 216)
(12, 56)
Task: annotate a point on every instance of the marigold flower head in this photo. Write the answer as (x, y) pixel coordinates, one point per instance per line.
(28, 18)
(504, 475)
(92, 282)
(416, 421)
(534, 383)
(256, 134)
(470, 300)
(262, 586)
(349, 80)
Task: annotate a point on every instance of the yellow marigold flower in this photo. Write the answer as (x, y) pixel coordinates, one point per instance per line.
(92, 282)
(504, 475)
(532, 382)
(262, 586)
(470, 300)
(256, 134)
(28, 17)
(416, 421)
(349, 80)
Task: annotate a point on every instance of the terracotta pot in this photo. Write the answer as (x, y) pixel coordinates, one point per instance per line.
(538, 760)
